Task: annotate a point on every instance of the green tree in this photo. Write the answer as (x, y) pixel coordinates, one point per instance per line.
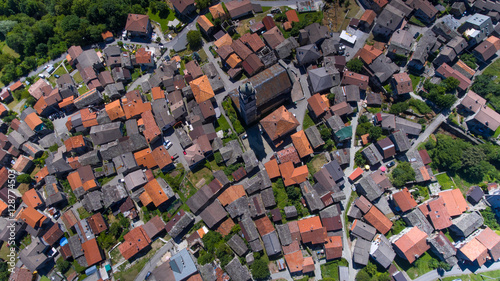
(194, 39)
(451, 84)
(363, 276)
(399, 107)
(63, 265)
(259, 269)
(359, 159)
(202, 4)
(402, 174)
(24, 178)
(375, 132)
(293, 192)
(355, 65)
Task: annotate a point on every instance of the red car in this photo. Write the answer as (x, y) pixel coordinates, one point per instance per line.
(184, 152)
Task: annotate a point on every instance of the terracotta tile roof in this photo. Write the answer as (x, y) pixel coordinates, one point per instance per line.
(301, 143)
(107, 34)
(97, 223)
(378, 220)
(356, 174)
(135, 241)
(204, 23)
(473, 101)
(202, 90)
(352, 78)
(162, 157)
(32, 199)
(225, 51)
(133, 105)
(368, 16)
(35, 90)
(40, 175)
(491, 241)
(33, 121)
(69, 219)
(292, 16)
(53, 234)
(288, 154)
(272, 169)
(224, 40)
(39, 106)
(454, 201)
(295, 261)
(273, 37)
(239, 174)
(308, 265)
(293, 175)
(32, 217)
(333, 247)
(233, 60)
(157, 93)
(300, 174)
(74, 142)
(264, 225)
(404, 200)
(403, 83)
(319, 104)
(254, 41)
(92, 252)
(21, 163)
(156, 193)
(438, 213)
(465, 67)
(16, 86)
(446, 71)
(217, 11)
(412, 244)
(225, 227)
(114, 110)
(368, 53)
(137, 23)
(474, 251)
(142, 56)
(311, 230)
(66, 102)
(231, 194)
(287, 25)
(89, 119)
(151, 130)
(381, 3)
(279, 123)
(145, 158)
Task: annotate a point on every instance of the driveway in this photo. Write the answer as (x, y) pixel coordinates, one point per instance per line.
(153, 262)
(176, 148)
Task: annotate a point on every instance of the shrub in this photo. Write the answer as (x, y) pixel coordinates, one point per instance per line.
(24, 178)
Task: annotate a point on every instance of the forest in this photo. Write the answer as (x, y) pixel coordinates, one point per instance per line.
(40, 30)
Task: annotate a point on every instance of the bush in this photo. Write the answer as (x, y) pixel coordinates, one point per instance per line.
(421, 106)
(402, 174)
(194, 39)
(355, 65)
(24, 178)
(218, 157)
(260, 270)
(359, 159)
(63, 265)
(399, 107)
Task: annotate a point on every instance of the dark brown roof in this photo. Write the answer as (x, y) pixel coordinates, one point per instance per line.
(241, 49)
(181, 5)
(252, 64)
(137, 23)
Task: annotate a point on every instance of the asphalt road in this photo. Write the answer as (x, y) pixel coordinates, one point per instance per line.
(456, 270)
(151, 264)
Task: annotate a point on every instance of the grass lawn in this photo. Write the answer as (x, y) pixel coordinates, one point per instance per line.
(497, 132)
(200, 177)
(60, 71)
(136, 74)
(493, 69)
(353, 10)
(7, 50)
(116, 256)
(307, 122)
(83, 213)
(418, 268)
(316, 163)
(416, 22)
(78, 78)
(203, 55)
(244, 25)
(4, 251)
(445, 181)
(13, 104)
(462, 184)
(331, 269)
(281, 197)
(83, 89)
(162, 21)
(222, 124)
(415, 80)
(23, 187)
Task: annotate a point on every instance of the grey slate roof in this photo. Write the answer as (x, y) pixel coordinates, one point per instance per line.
(258, 182)
(183, 138)
(307, 54)
(285, 48)
(231, 152)
(314, 137)
(417, 218)
(369, 188)
(383, 68)
(323, 78)
(248, 228)
(401, 141)
(250, 160)
(284, 234)
(466, 223)
(443, 248)
(125, 163)
(290, 212)
(238, 245)
(354, 212)
(268, 198)
(335, 122)
(90, 158)
(237, 271)
(181, 224)
(342, 156)
(272, 243)
(361, 252)
(372, 154)
(381, 251)
(255, 245)
(363, 230)
(311, 196)
(213, 214)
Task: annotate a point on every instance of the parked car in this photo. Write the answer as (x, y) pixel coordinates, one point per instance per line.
(167, 144)
(56, 75)
(184, 152)
(392, 163)
(416, 35)
(148, 274)
(244, 136)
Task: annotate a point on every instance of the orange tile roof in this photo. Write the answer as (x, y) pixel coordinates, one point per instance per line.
(300, 174)
(490, 240)
(97, 223)
(142, 56)
(157, 93)
(309, 224)
(365, 139)
(231, 194)
(156, 193)
(465, 67)
(67, 101)
(279, 123)
(162, 157)
(308, 265)
(437, 212)
(301, 143)
(202, 90)
(287, 25)
(368, 53)
(412, 244)
(74, 142)
(145, 199)
(32, 199)
(107, 34)
(133, 105)
(293, 175)
(69, 218)
(32, 217)
(33, 121)
(295, 261)
(495, 41)
(358, 172)
(292, 16)
(318, 104)
(92, 252)
(135, 241)
(217, 11)
(89, 185)
(145, 158)
(333, 247)
(475, 251)
(151, 130)
(368, 16)
(224, 228)
(204, 23)
(16, 85)
(233, 60)
(89, 119)
(114, 110)
(272, 169)
(74, 180)
(264, 225)
(41, 174)
(454, 201)
(378, 220)
(404, 200)
(21, 163)
(312, 231)
(3, 207)
(225, 40)
(39, 106)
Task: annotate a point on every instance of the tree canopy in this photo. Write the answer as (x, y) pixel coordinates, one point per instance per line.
(402, 174)
(194, 39)
(355, 65)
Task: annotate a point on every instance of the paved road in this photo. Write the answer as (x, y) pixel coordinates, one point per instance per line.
(154, 260)
(455, 271)
(440, 118)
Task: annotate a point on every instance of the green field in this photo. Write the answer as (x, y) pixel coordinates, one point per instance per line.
(308, 122)
(415, 80)
(162, 21)
(445, 181)
(493, 69)
(331, 269)
(78, 78)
